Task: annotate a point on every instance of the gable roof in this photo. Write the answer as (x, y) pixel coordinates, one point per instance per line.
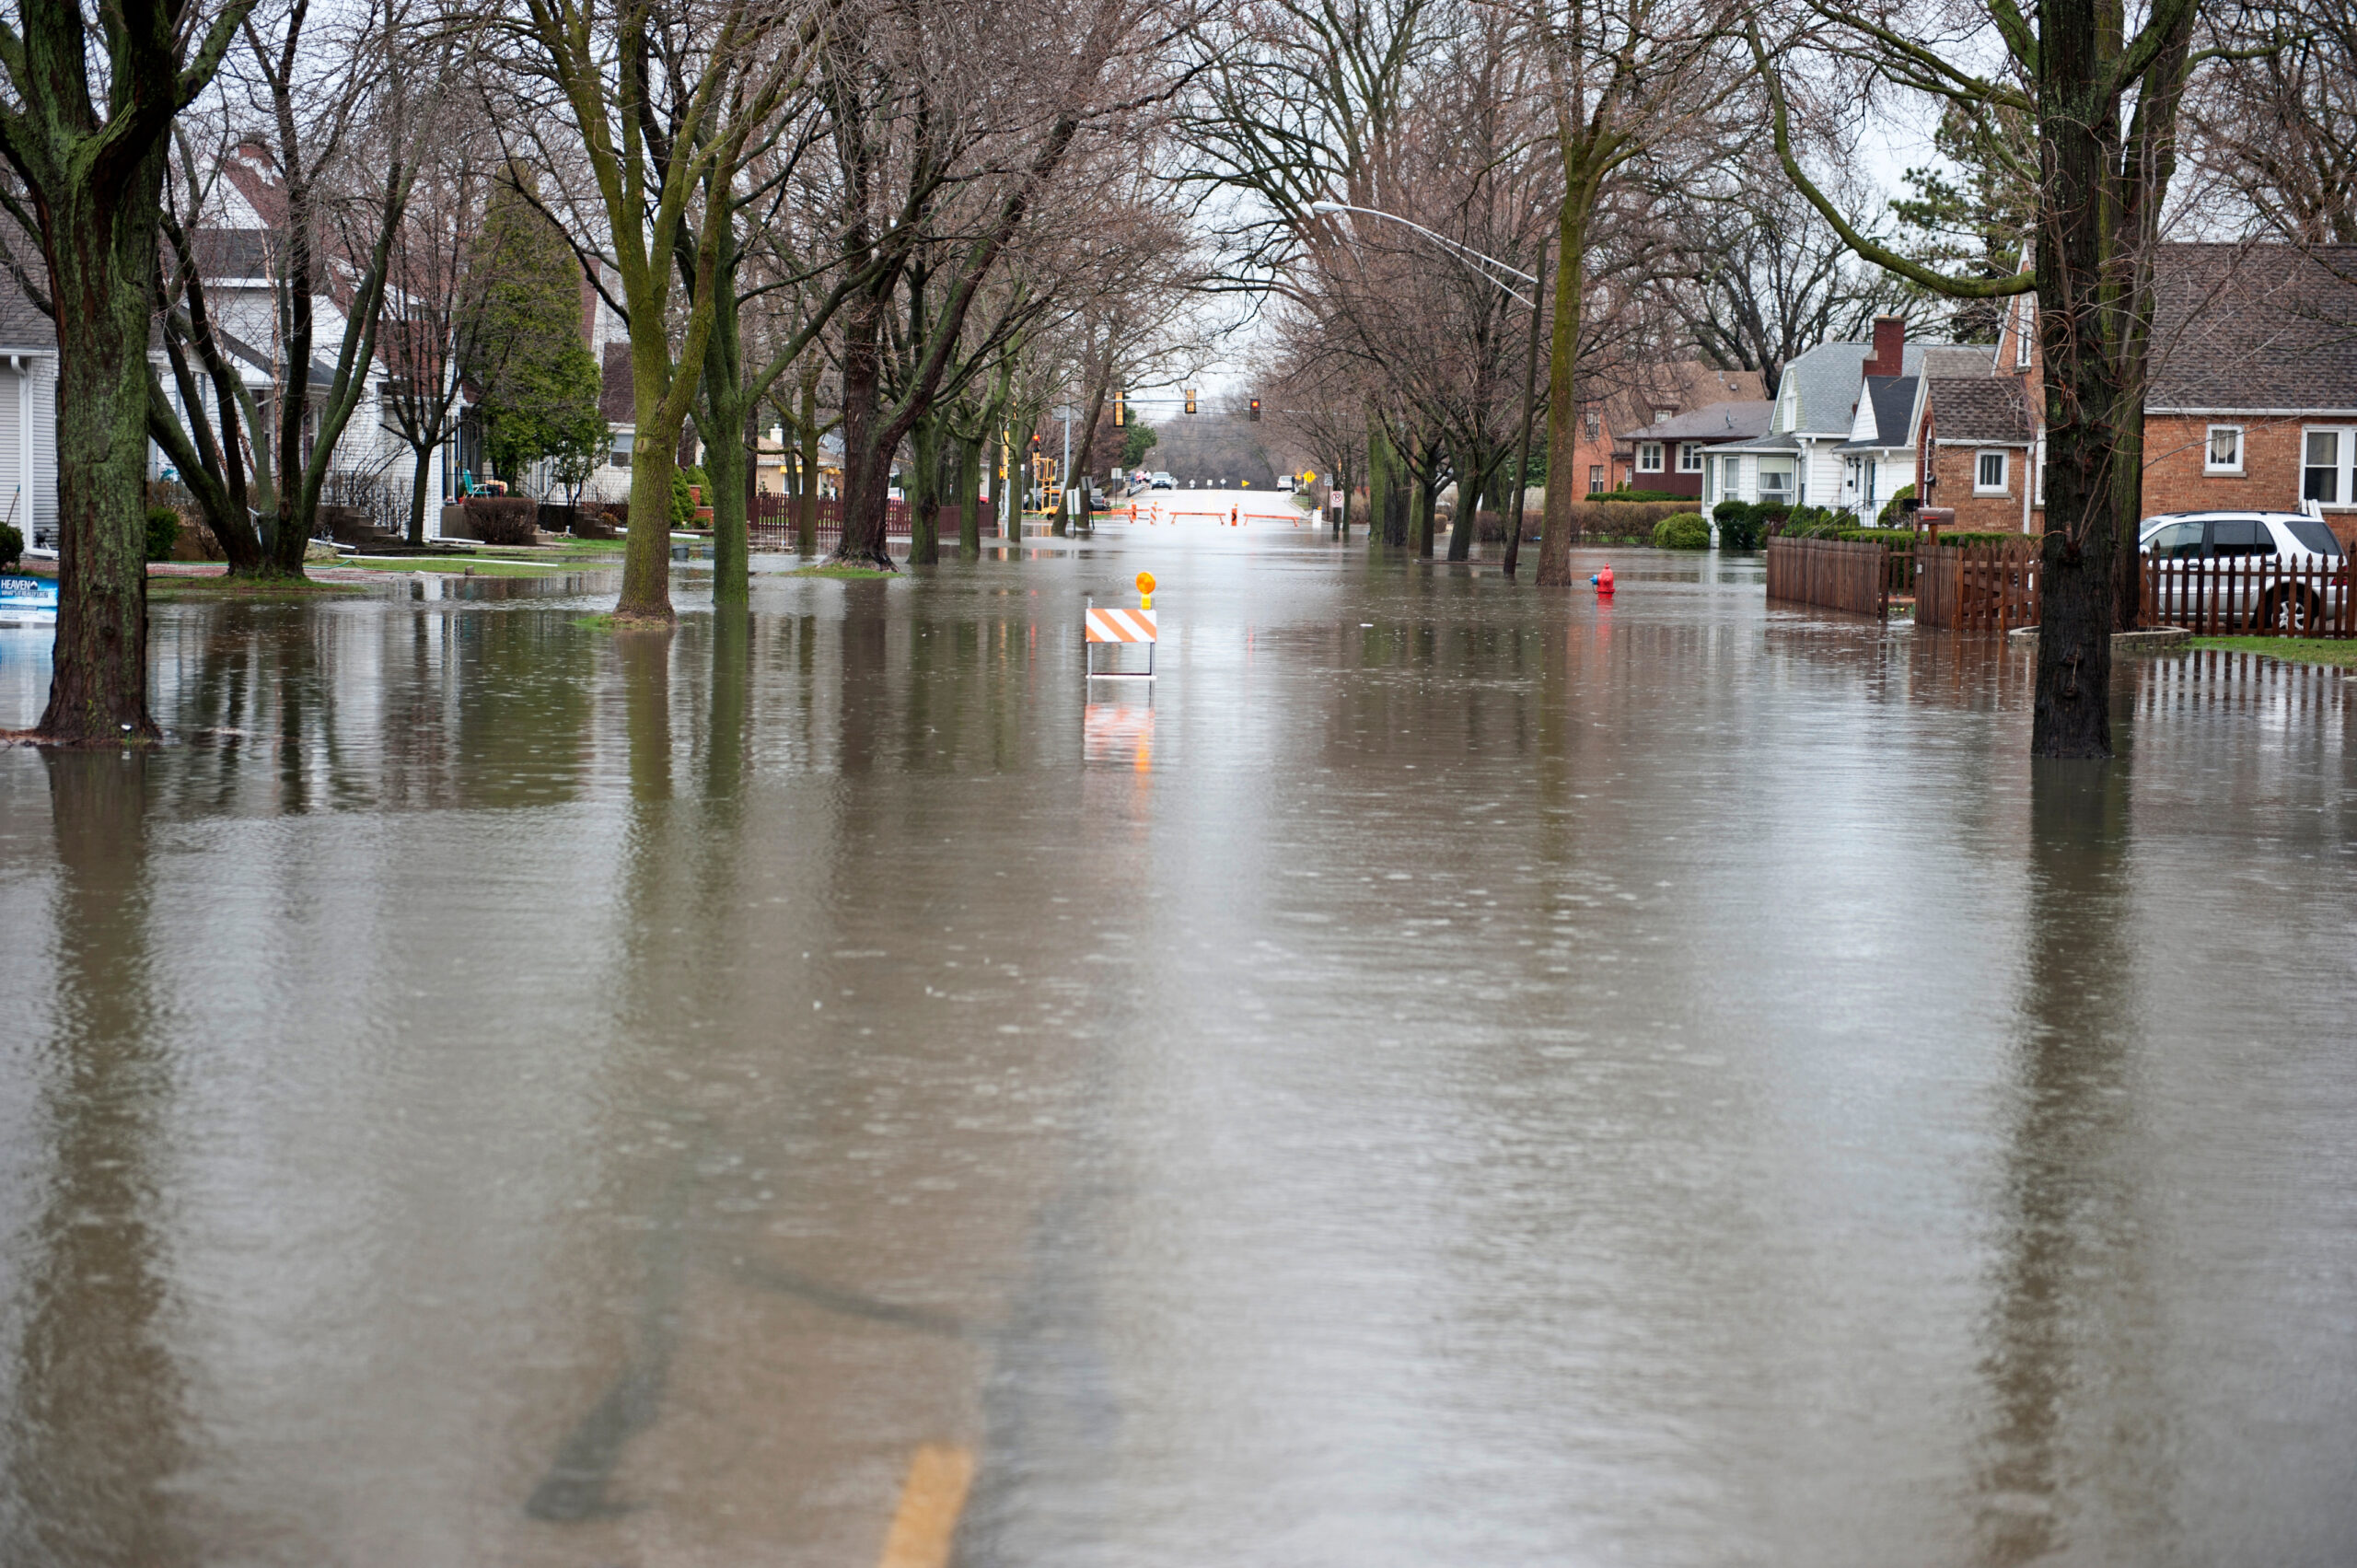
(1740, 420)
(1979, 411)
(1636, 391)
(1826, 377)
(2254, 328)
(1884, 411)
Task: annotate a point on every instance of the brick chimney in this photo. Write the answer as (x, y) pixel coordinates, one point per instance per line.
(1891, 346)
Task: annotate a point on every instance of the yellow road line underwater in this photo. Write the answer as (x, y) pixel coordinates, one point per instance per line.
(931, 1500)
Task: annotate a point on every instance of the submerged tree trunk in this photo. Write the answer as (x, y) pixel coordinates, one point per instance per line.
(1556, 526)
(806, 539)
(103, 264)
(968, 492)
(1472, 472)
(925, 490)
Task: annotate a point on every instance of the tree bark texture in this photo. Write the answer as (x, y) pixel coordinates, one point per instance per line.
(1556, 527)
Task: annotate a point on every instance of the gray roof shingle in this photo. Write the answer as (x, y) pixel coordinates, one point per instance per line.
(1894, 406)
(1981, 410)
(2255, 327)
(1737, 420)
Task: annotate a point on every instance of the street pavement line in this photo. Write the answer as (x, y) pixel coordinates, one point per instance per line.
(931, 1500)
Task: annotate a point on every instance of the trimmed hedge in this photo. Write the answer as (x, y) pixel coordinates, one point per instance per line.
(1684, 530)
(1638, 495)
(1960, 538)
(1739, 525)
(163, 532)
(1889, 538)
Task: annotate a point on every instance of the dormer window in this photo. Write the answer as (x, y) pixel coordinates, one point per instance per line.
(1664, 415)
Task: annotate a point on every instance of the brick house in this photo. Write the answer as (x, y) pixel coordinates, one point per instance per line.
(1668, 455)
(2253, 398)
(2251, 401)
(1614, 448)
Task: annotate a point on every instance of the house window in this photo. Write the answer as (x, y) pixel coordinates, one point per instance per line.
(2023, 324)
(1775, 481)
(1649, 456)
(1709, 479)
(619, 457)
(1689, 456)
(1596, 478)
(2226, 452)
(1989, 474)
(2321, 478)
(1664, 415)
(1594, 423)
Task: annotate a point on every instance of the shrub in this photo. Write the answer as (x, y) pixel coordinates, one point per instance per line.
(1684, 530)
(1889, 538)
(1739, 526)
(1616, 521)
(1773, 517)
(683, 500)
(1637, 496)
(163, 532)
(502, 520)
(1980, 537)
(1892, 512)
(12, 544)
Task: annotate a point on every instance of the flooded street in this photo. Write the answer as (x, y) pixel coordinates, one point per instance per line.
(1444, 1076)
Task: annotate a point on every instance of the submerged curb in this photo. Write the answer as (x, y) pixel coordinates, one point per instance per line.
(2151, 640)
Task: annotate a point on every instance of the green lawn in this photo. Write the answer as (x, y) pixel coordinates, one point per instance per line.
(2296, 650)
(843, 572)
(461, 565)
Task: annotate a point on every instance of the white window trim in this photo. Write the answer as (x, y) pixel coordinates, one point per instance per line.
(1689, 456)
(1649, 456)
(2344, 460)
(2209, 450)
(2004, 471)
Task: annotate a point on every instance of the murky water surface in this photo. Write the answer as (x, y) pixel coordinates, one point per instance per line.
(1442, 1077)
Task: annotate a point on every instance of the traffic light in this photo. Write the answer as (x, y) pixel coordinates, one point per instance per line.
(1118, 416)
(1191, 399)
(1256, 408)
(1034, 443)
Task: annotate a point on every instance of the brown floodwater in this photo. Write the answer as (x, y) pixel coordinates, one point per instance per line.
(1445, 1075)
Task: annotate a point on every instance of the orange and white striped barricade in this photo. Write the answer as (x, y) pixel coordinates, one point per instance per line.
(1113, 627)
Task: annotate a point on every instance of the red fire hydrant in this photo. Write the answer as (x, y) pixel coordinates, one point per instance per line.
(1603, 582)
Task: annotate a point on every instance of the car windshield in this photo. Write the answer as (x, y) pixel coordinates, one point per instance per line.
(2313, 534)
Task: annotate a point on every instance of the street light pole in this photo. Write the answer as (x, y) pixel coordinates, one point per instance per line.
(1530, 366)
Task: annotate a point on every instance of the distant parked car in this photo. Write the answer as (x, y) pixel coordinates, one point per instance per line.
(2276, 569)
(1162, 481)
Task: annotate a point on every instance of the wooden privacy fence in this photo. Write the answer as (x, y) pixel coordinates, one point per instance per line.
(1987, 586)
(2252, 596)
(1837, 574)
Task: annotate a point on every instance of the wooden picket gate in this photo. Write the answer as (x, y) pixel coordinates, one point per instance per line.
(1836, 573)
(1987, 586)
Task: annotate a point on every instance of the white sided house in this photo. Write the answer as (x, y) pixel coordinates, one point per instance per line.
(1843, 435)
(27, 419)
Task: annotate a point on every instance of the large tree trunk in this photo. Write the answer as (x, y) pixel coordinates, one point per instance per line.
(1471, 472)
(421, 480)
(1556, 527)
(2070, 716)
(729, 467)
(102, 267)
(925, 490)
(970, 499)
(867, 471)
(806, 539)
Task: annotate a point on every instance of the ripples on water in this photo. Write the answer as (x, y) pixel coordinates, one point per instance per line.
(1443, 1075)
